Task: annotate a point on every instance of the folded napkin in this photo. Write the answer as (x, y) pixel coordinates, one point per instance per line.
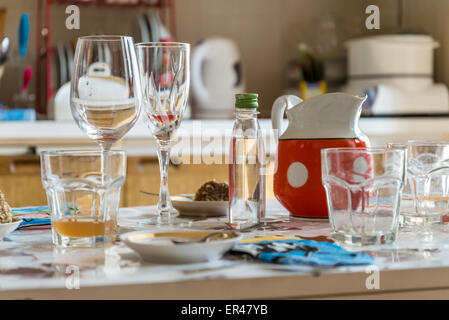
(294, 250)
(33, 217)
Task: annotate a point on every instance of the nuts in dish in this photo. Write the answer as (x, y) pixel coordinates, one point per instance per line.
(213, 191)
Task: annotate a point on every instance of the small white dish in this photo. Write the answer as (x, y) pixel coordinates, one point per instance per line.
(6, 228)
(158, 246)
(191, 208)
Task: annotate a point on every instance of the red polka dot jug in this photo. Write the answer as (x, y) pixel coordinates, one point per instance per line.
(324, 121)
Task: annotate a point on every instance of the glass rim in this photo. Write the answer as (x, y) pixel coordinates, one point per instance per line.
(377, 150)
(105, 38)
(428, 142)
(82, 152)
(161, 44)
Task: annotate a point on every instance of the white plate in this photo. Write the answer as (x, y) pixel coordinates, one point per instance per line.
(158, 247)
(6, 228)
(200, 208)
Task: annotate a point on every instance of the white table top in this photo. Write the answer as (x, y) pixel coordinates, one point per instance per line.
(30, 267)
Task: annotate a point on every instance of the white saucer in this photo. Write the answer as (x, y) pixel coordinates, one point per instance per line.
(158, 246)
(193, 208)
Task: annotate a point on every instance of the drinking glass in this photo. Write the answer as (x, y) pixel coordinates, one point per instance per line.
(428, 174)
(363, 190)
(164, 71)
(83, 200)
(105, 94)
(406, 196)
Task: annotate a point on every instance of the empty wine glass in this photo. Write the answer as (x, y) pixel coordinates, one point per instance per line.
(164, 70)
(105, 94)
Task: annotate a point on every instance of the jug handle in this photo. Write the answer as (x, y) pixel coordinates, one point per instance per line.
(278, 109)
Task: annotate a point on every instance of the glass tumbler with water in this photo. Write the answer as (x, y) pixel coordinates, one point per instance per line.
(363, 190)
(83, 201)
(428, 174)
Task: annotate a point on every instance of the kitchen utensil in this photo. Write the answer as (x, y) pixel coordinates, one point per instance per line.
(142, 28)
(62, 59)
(6, 228)
(158, 246)
(24, 32)
(153, 27)
(26, 79)
(397, 54)
(217, 76)
(396, 72)
(62, 103)
(165, 78)
(70, 58)
(204, 239)
(363, 191)
(164, 33)
(23, 99)
(4, 50)
(324, 121)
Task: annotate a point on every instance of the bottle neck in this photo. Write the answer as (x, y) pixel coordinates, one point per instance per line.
(246, 113)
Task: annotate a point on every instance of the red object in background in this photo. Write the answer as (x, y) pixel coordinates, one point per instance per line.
(299, 163)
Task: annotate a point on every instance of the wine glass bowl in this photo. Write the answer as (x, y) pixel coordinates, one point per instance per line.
(164, 68)
(105, 94)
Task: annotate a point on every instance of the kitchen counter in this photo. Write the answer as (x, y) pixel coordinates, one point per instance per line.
(57, 134)
(416, 266)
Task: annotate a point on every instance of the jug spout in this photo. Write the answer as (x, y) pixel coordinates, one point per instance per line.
(332, 115)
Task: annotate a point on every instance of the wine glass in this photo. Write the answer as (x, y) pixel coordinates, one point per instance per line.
(164, 71)
(105, 95)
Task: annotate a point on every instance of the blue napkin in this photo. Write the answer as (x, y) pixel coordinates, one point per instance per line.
(298, 251)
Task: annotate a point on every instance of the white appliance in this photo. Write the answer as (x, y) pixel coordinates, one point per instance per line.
(396, 72)
(216, 77)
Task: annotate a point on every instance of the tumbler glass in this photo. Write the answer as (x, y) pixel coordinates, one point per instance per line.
(406, 196)
(363, 189)
(428, 174)
(83, 201)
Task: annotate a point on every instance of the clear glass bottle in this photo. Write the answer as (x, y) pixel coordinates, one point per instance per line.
(246, 165)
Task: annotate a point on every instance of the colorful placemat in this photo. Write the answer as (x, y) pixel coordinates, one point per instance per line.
(33, 217)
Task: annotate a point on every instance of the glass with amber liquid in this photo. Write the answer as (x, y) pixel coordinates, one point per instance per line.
(83, 200)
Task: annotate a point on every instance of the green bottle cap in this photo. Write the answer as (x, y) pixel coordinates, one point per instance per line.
(246, 100)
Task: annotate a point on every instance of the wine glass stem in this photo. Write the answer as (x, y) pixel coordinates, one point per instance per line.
(105, 148)
(164, 204)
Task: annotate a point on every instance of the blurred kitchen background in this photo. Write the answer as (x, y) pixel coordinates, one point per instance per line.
(272, 47)
(266, 35)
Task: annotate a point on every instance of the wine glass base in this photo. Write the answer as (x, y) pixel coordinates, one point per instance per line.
(164, 221)
(153, 219)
